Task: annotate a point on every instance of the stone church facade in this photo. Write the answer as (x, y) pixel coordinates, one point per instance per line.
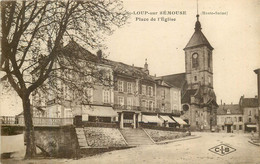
(197, 95)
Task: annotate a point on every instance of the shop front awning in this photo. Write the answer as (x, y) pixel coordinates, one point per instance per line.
(251, 126)
(168, 119)
(151, 119)
(179, 120)
(99, 111)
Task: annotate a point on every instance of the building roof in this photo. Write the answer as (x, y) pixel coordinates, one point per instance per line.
(248, 102)
(187, 95)
(198, 38)
(74, 50)
(163, 83)
(233, 108)
(127, 70)
(177, 80)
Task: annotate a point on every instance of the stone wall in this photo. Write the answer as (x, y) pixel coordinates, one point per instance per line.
(159, 135)
(98, 137)
(57, 141)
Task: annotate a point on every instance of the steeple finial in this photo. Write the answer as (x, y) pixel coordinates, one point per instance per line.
(197, 25)
(197, 7)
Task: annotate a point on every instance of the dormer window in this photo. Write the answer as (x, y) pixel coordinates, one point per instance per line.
(195, 78)
(195, 60)
(228, 111)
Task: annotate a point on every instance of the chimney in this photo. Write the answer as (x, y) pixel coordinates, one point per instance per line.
(231, 103)
(256, 96)
(224, 104)
(146, 70)
(221, 102)
(99, 55)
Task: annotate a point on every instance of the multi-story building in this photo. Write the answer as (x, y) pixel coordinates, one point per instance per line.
(135, 95)
(230, 119)
(127, 94)
(168, 97)
(249, 106)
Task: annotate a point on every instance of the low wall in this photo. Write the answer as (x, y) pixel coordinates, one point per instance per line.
(100, 137)
(57, 141)
(162, 135)
(100, 124)
(147, 126)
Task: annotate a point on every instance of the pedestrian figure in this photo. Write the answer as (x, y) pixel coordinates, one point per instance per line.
(252, 134)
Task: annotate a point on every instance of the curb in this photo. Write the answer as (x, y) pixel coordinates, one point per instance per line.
(149, 136)
(179, 139)
(254, 143)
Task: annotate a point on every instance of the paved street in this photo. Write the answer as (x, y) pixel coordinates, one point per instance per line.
(186, 151)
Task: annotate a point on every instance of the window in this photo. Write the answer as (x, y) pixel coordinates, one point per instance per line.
(195, 61)
(249, 119)
(209, 59)
(143, 90)
(234, 127)
(223, 127)
(150, 91)
(89, 95)
(120, 100)
(129, 101)
(68, 113)
(175, 95)
(240, 119)
(163, 94)
(143, 103)
(120, 86)
(150, 107)
(209, 80)
(66, 92)
(240, 127)
(235, 119)
(195, 78)
(106, 96)
(163, 106)
(129, 87)
(146, 104)
(249, 113)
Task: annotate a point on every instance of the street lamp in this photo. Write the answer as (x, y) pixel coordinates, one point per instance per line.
(257, 71)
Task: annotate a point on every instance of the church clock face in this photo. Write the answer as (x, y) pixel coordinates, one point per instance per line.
(195, 56)
(195, 62)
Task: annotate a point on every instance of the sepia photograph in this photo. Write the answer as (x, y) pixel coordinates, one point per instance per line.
(130, 81)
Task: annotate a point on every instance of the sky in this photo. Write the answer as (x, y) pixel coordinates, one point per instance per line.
(235, 37)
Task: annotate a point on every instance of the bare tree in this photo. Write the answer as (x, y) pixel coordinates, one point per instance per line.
(32, 35)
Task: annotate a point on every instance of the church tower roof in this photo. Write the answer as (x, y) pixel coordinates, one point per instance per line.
(198, 38)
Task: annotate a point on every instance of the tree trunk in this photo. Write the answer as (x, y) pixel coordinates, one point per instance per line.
(29, 129)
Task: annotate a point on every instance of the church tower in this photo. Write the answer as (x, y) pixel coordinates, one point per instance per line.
(199, 94)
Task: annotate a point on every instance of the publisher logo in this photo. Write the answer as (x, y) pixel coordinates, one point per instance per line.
(222, 149)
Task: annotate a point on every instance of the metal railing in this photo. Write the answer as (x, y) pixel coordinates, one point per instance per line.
(8, 120)
(43, 121)
(134, 108)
